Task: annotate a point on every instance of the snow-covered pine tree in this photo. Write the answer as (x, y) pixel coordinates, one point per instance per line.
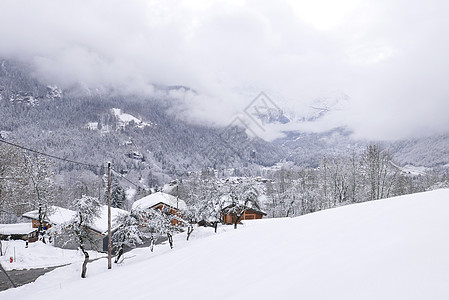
(118, 196)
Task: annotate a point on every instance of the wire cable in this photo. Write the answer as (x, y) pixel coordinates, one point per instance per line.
(119, 174)
(49, 155)
(67, 160)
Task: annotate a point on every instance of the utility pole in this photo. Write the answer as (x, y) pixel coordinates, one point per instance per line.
(109, 217)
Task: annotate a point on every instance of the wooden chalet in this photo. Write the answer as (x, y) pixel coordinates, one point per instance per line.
(164, 202)
(248, 214)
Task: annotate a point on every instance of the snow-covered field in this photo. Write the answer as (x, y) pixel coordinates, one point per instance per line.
(395, 248)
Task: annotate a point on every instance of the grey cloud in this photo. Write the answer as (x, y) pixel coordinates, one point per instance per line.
(390, 57)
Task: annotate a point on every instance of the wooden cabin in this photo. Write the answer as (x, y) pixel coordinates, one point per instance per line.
(248, 214)
(164, 202)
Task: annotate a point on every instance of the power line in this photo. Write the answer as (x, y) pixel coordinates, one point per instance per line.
(49, 155)
(66, 160)
(119, 174)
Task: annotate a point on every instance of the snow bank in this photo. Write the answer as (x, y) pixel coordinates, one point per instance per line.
(38, 255)
(390, 249)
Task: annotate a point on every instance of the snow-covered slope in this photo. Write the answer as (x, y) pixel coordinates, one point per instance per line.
(125, 119)
(390, 249)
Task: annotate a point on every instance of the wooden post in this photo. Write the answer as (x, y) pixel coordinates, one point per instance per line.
(109, 218)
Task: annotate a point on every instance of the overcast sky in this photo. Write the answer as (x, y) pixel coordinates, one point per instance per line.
(390, 57)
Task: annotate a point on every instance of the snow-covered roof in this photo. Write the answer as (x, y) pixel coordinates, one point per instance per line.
(20, 228)
(101, 224)
(159, 197)
(59, 215)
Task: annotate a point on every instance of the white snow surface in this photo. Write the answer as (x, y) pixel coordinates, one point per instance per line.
(395, 248)
(125, 118)
(19, 228)
(159, 197)
(39, 255)
(413, 170)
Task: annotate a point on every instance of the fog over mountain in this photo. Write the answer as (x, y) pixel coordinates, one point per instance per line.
(390, 58)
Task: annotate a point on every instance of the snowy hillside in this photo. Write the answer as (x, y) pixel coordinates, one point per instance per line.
(125, 119)
(395, 248)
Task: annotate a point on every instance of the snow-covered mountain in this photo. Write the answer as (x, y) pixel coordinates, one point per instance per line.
(140, 135)
(67, 122)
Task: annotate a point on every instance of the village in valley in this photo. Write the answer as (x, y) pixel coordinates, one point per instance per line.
(162, 216)
(229, 219)
(225, 150)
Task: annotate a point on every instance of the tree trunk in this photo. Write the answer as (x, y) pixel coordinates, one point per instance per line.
(86, 260)
(215, 226)
(189, 231)
(40, 228)
(152, 243)
(120, 253)
(170, 239)
(237, 220)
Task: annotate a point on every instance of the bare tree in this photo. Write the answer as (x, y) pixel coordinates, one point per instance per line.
(40, 193)
(378, 171)
(87, 210)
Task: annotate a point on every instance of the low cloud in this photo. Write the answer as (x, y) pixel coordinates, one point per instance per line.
(391, 58)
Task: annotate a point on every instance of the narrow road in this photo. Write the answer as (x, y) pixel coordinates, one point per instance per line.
(15, 278)
(5, 280)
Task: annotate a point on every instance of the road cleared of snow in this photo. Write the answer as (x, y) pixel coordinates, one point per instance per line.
(395, 248)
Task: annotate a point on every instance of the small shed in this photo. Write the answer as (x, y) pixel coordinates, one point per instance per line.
(164, 202)
(20, 231)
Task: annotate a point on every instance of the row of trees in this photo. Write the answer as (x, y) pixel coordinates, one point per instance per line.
(292, 190)
(338, 181)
